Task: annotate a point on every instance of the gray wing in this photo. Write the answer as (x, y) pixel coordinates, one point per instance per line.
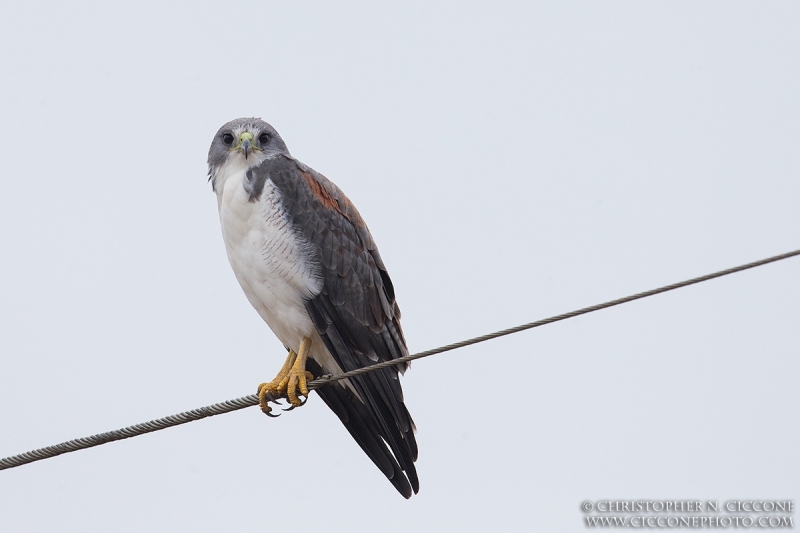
(355, 314)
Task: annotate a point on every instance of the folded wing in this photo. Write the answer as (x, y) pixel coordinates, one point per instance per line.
(355, 314)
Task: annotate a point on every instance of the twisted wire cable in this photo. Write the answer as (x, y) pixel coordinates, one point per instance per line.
(251, 400)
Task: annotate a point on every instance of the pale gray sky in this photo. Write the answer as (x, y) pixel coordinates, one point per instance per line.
(514, 160)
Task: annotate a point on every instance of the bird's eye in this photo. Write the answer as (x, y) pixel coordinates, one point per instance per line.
(263, 138)
(227, 139)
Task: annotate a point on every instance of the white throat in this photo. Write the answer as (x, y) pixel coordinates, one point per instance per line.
(235, 165)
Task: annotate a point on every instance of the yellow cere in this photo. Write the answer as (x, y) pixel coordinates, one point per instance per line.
(245, 136)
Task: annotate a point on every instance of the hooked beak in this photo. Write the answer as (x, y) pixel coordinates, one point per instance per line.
(245, 143)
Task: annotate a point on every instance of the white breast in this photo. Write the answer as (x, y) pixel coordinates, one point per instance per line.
(271, 262)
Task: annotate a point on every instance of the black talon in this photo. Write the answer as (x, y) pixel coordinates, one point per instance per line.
(272, 399)
(302, 403)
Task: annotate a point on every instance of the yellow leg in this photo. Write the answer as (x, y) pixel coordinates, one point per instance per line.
(298, 375)
(277, 387)
(292, 377)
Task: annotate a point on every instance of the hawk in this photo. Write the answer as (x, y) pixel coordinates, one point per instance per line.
(309, 266)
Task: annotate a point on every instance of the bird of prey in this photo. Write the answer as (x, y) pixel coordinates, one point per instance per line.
(309, 266)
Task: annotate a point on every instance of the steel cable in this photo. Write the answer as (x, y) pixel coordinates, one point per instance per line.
(249, 401)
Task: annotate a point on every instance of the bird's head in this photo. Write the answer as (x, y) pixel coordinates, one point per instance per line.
(243, 143)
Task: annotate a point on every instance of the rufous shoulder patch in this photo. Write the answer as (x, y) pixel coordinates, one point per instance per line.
(318, 190)
(341, 204)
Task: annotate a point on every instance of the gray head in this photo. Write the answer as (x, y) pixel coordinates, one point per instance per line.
(243, 142)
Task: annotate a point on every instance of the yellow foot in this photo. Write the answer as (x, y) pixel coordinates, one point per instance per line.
(298, 382)
(275, 389)
(292, 378)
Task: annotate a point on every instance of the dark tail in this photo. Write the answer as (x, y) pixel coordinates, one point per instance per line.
(358, 420)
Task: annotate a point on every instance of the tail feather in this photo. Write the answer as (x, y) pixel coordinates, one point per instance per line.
(360, 423)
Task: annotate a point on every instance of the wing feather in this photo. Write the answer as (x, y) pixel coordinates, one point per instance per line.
(355, 314)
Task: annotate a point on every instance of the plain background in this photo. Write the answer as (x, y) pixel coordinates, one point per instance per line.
(514, 160)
